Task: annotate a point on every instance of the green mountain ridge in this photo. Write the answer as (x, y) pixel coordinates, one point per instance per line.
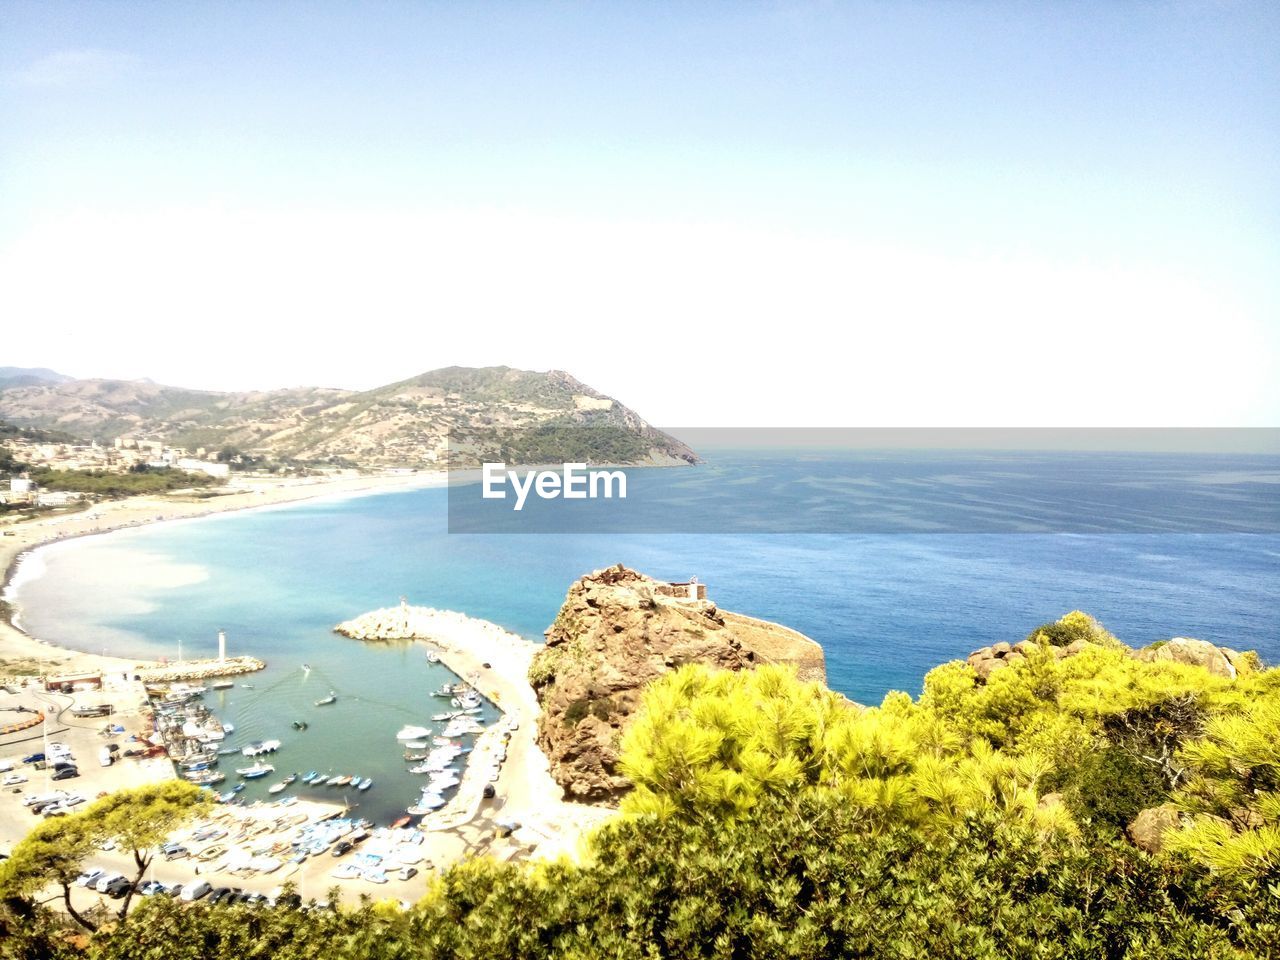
(455, 415)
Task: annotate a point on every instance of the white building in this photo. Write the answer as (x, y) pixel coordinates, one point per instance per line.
(205, 467)
(21, 485)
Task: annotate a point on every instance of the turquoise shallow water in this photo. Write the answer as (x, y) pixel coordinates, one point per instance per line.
(886, 607)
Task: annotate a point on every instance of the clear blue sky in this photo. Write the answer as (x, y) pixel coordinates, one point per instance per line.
(1014, 158)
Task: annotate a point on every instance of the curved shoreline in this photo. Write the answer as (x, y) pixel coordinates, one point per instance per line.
(21, 652)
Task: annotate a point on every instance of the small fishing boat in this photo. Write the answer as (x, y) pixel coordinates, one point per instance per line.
(306, 667)
(227, 751)
(277, 787)
(410, 732)
(333, 781)
(246, 686)
(365, 784)
(402, 822)
(223, 684)
(414, 757)
(226, 797)
(237, 788)
(256, 771)
(309, 776)
(433, 657)
(344, 781)
(416, 745)
(299, 724)
(325, 701)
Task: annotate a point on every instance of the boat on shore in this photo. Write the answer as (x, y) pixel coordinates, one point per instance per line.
(283, 784)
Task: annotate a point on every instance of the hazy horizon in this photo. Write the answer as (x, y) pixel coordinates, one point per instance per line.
(754, 214)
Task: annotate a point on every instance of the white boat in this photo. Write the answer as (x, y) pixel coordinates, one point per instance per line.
(223, 684)
(410, 732)
(433, 657)
(256, 771)
(416, 745)
(365, 784)
(259, 747)
(325, 701)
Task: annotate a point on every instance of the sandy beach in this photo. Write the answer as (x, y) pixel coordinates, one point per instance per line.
(21, 653)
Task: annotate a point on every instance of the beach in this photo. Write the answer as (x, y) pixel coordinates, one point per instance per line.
(21, 653)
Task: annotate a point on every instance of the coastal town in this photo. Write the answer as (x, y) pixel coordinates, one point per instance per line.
(75, 726)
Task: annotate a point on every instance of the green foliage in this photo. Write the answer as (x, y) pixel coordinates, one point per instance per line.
(771, 818)
(1075, 627)
(104, 484)
(577, 711)
(138, 819)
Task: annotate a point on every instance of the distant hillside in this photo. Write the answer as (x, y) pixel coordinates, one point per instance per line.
(458, 414)
(24, 376)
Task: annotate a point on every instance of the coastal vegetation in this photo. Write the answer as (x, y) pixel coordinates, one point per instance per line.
(770, 817)
(103, 483)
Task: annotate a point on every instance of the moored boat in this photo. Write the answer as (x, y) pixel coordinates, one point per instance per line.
(256, 771)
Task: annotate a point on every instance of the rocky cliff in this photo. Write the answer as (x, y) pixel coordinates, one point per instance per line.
(617, 631)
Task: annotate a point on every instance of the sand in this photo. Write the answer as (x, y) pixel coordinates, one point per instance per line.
(21, 653)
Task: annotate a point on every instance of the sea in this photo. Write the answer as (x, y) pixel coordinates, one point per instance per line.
(918, 570)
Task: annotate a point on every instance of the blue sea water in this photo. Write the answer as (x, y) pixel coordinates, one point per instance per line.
(886, 607)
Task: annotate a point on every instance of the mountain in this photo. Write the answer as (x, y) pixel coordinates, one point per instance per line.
(459, 415)
(24, 376)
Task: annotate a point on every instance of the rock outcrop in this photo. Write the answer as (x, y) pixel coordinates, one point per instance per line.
(1220, 661)
(617, 631)
(1149, 827)
(1078, 631)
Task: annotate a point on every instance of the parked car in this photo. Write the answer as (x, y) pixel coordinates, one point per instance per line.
(195, 890)
(88, 878)
(32, 757)
(13, 779)
(218, 895)
(408, 873)
(103, 881)
(118, 888)
(175, 890)
(177, 853)
(66, 773)
(152, 887)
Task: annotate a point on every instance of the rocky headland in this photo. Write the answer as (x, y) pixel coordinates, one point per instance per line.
(617, 631)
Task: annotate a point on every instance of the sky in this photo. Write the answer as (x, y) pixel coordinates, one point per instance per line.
(723, 214)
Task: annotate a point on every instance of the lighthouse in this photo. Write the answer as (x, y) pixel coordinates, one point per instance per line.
(222, 644)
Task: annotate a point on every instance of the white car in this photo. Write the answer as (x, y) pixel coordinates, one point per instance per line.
(89, 877)
(194, 891)
(13, 779)
(105, 881)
